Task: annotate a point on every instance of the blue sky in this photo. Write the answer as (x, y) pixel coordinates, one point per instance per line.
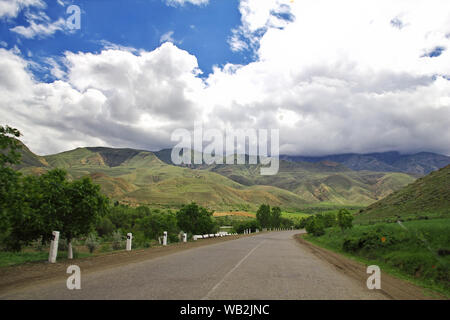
(202, 30)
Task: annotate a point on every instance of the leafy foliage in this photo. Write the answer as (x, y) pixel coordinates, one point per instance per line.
(344, 219)
(195, 219)
(92, 242)
(315, 225)
(263, 216)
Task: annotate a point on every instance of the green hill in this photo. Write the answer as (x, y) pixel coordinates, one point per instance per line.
(141, 177)
(323, 182)
(428, 196)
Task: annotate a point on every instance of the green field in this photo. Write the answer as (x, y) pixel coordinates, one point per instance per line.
(419, 251)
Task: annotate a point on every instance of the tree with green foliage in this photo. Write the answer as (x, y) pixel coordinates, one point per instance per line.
(9, 146)
(84, 207)
(195, 219)
(263, 216)
(275, 217)
(154, 224)
(329, 219)
(344, 219)
(104, 227)
(9, 178)
(240, 226)
(314, 225)
(50, 202)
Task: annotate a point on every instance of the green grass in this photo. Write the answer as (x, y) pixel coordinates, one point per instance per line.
(16, 258)
(426, 197)
(411, 253)
(294, 215)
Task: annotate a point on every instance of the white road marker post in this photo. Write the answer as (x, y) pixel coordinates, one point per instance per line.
(70, 251)
(184, 237)
(129, 239)
(165, 238)
(53, 247)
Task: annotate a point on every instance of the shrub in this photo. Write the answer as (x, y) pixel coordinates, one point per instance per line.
(91, 242)
(344, 219)
(38, 244)
(105, 227)
(117, 240)
(105, 247)
(351, 244)
(315, 226)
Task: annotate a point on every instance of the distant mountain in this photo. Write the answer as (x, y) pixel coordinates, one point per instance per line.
(419, 163)
(139, 177)
(143, 177)
(428, 196)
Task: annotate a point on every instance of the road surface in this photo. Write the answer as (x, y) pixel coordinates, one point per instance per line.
(265, 266)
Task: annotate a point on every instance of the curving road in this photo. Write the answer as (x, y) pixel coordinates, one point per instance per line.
(265, 266)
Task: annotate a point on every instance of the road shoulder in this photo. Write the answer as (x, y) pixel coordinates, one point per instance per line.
(391, 287)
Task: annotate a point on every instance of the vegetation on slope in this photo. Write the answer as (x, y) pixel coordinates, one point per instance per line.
(418, 251)
(426, 197)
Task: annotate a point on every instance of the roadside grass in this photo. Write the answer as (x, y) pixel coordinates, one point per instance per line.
(15, 258)
(419, 253)
(32, 255)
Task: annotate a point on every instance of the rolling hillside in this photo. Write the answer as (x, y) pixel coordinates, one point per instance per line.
(139, 177)
(142, 177)
(428, 196)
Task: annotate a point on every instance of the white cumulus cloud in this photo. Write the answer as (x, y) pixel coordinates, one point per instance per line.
(11, 8)
(183, 2)
(347, 76)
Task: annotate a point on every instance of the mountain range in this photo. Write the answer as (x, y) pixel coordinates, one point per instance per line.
(419, 163)
(135, 177)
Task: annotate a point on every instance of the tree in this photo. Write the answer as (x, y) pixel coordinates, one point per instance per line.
(9, 146)
(329, 219)
(263, 216)
(50, 202)
(315, 226)
(154, 224)
(276, 217)
(9, 178)
(104, 227)
(84, 205)
(195, 219)
(344, 219)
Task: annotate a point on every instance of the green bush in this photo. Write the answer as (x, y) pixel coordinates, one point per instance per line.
(106, 247)
(344, 219)
(315, 226)
(117, 240)
(91, 242)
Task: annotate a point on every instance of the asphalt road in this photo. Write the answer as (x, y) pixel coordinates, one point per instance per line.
(265, 266)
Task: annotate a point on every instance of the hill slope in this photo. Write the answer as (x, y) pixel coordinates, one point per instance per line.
(141, 177)
(427, 196)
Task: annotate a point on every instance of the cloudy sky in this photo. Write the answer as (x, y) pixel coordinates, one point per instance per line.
(333, 76)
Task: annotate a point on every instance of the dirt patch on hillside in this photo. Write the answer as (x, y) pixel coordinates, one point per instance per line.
(393, 288)
(234, 213)
(17, 277)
